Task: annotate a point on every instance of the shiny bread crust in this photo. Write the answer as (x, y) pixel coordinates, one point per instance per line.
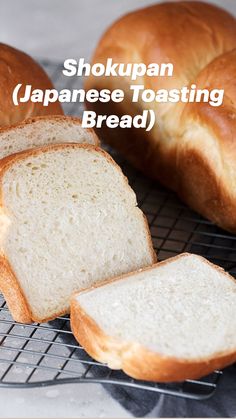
(192, 147)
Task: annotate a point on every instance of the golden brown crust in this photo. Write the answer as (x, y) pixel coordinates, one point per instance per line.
(9, 284)
(13, 294)
(204, 191)
(209, 186)
(17, 67)
(50, 118)
(198, 39)
(134, 359)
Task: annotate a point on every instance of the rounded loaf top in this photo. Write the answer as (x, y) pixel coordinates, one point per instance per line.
(17, 67)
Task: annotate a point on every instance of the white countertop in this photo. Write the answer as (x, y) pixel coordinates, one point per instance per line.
(58, 29)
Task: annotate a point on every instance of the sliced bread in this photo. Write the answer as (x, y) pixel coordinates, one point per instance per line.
(43, 130)
(68, 219)
(170, 322)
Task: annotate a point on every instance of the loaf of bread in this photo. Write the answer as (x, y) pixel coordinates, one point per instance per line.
(172, 321)
(17, 67)
(192, 147)
(68, 219)
(43, 130)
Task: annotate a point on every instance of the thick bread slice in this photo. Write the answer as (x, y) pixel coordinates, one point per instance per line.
(169, 322)
(68, 219)
(43, 130)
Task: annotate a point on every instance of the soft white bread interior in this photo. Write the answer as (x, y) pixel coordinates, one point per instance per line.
(170, 322)
(44, 130)
(68, 219)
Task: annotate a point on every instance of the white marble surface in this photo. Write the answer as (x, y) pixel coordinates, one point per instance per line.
(63, 401)
(57, 29)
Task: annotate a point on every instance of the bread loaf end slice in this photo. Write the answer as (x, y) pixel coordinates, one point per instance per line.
(173, 321)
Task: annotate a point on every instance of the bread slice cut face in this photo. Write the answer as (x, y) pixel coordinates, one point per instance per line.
(68, 219)
(170, 322)
(43, 130)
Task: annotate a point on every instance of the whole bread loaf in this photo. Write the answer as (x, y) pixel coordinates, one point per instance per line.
(17, 67)
(192, 148)
(68, 218)
(172, 321)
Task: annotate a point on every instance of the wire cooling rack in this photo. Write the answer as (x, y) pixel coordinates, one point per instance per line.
(47, 354)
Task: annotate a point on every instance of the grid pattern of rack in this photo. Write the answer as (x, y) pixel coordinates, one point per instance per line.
(47, 354)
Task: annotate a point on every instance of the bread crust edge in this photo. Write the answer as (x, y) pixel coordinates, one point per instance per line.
(133, 358)
(53, 118)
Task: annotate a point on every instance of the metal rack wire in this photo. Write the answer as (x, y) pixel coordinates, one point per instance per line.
(47, 354)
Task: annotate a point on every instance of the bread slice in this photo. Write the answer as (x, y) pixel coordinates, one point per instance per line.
(169, 322)
(44, 130)
(68, 219)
